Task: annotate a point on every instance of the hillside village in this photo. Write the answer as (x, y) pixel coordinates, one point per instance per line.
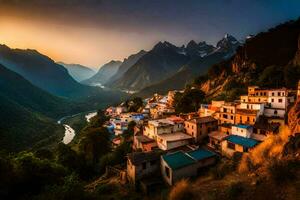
(168, 147)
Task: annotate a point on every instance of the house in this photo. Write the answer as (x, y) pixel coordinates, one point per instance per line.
(141, 165)
(277, 103)
(262, 128)
(225, 128)
(242, 130)
(234, 143)
(210, 109)
(179, 165)
(144, 143)
(161, 126)
(227, 113)
(215, 139)
(199, 128)
(170, 141)
(276, 100)
(246, 116)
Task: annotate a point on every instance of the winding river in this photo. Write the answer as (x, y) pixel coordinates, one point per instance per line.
(69, 131)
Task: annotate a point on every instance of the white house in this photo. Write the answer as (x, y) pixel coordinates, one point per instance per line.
(242, 130)
(169, 141)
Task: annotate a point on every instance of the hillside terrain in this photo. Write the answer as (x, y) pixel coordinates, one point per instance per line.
(28, 113)
(78, 72)
(269, 59)
(104, 74)
(44, 73)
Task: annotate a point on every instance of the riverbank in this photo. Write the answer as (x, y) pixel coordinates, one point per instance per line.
(74, 124)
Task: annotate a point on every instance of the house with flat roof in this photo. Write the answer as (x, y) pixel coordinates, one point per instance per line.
(141, 165)
(179, 165)
(227, 113)
(200, 127)
(235, 143)
(144, 143)
(242, 130)
(170, 141)
(215, 139)
(246, 116)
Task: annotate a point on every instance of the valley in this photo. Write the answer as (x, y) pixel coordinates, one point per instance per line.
(149, 100)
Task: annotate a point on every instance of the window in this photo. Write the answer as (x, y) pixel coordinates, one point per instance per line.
(167, 170)
(248, 119)
(258, 100)
(272, 100)
(275, 112)
(225, 116)
(192, 127)
(231, 117)
(265, 94)
(230, 145)
(144, 165)
(278, 93)
(279, 100)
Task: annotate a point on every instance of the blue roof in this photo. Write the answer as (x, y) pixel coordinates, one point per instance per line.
(243, 126)
(178, 160)
(201, 154)
(246, 142)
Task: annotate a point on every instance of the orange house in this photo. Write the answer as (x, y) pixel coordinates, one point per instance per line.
(246, 116)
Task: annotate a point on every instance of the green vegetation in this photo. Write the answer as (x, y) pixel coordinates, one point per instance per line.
(134, 104)
(189, 101)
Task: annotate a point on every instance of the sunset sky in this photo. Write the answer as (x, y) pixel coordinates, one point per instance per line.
(92, 32)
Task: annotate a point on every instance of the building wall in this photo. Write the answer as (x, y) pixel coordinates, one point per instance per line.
(273, 112)
(278, 101)
(245, 119)
(167, 145)
(229, 152)
(200, 131)
(241, 131)
(137, 172)
(253, 106)
(257, 99)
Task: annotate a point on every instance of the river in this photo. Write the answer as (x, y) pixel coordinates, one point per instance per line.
(69, 131)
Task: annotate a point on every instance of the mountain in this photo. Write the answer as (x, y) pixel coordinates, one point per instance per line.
(204, 57)
(104, 74)
(268, 59)
(43, 72)
(27, 113)
(126, 64)
(163, 61)
(78, 72)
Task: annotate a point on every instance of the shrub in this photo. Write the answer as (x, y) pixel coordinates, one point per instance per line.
(181, 191)
(234, 190)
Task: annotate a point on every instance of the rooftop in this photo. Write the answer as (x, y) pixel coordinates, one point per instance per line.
(140, 157)
(201, 154)
(174, 136)
(245, 142)
(243, 126)
(144, 139)
(246, 111)
(218, 135)
(201, 120)
(178, 160)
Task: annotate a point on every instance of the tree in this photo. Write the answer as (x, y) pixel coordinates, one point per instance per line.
(189, 101)
(94, 144)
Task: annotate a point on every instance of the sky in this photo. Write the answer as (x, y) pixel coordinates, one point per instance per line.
(93, 32)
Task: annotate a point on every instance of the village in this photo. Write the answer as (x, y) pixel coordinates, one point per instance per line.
(167, 147)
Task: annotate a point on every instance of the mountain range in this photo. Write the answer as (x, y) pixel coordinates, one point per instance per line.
(44, 73)
(164, 67)
(104, 73)
(78, 72)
